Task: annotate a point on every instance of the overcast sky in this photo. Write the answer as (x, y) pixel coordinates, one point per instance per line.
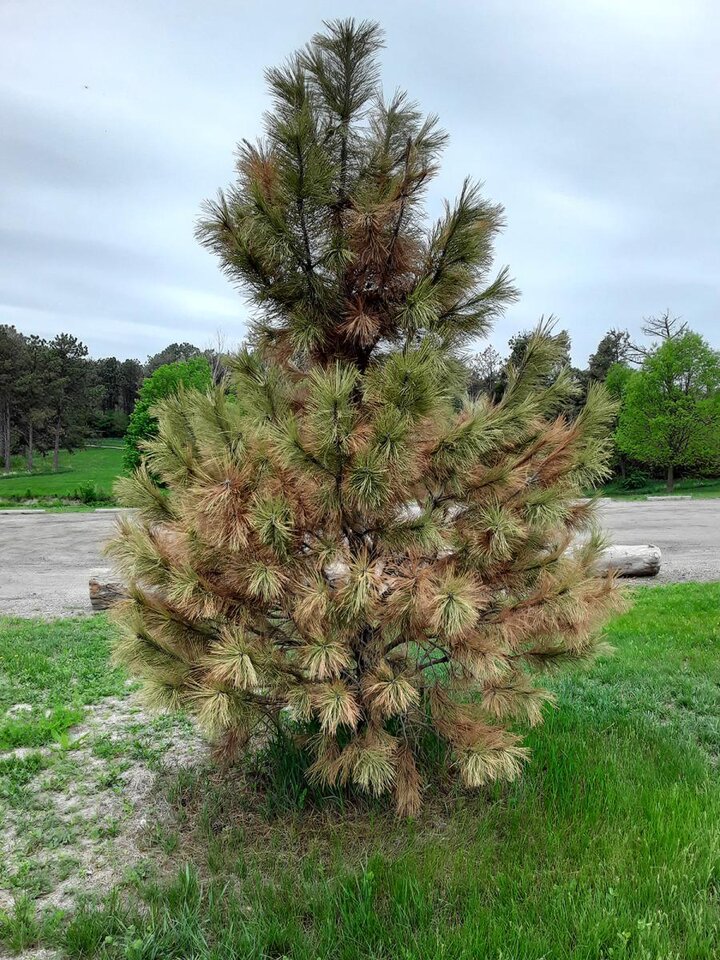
(595, 122)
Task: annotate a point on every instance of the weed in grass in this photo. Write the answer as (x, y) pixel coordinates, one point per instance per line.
(48, 832)
(111, 778)
(109, 747)
(105, 831)
(33, 878)
(16, 773)
(168, 840)
(21, 928)
(91, 930)
(38, 730)
(58, 669)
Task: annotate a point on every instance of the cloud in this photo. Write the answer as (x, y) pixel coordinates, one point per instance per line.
(594, 123)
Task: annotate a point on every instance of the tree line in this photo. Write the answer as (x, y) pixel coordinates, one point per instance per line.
(667, 387)
(54, 397)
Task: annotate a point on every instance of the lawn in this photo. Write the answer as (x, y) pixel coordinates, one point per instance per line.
(609, 847)
(93, 469)
(697, 487)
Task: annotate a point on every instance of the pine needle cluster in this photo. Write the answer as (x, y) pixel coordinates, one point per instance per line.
(336, 540)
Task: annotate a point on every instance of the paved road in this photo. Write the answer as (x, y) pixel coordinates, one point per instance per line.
(47, 559)
(687, 532)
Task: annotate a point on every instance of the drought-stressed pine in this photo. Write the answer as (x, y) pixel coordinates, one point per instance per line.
(336, 543)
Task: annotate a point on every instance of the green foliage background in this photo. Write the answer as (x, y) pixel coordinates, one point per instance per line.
(163, 382)
(670, 413)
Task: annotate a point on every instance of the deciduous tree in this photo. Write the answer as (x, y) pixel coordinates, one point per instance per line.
(670, 415)
(167, 380)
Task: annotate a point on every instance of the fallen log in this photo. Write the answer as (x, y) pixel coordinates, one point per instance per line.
(627, 561)
(104, 594)
(630, 561)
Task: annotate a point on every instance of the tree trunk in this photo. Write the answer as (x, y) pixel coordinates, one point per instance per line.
(6, 437)
(30, 447)
(670, 478)
(56, 448)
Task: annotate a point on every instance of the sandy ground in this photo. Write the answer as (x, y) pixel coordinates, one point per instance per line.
(47, 559)
(92, 811)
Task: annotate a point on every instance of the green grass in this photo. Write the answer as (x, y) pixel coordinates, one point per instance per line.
(56, 669)
(607, 849)
(95, 467)
(696, 488)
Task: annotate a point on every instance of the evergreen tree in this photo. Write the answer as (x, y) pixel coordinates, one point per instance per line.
(120, 382)
(334, 544)
(614, 348)
(486, 369)
(130, 377)
(108, 375)
(32, 385)
(72, 393)
(576, 388)
(173, 353)
(12, 367)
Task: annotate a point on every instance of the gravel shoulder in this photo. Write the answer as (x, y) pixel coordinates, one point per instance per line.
(46, 560)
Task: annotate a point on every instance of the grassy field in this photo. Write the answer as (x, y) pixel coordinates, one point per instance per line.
(695, 488)
(86, 474)
(608, 848)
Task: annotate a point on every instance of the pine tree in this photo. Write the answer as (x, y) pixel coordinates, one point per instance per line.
(12, 367)
(614, 348)
(33, 394)
(337, 541)
(72, 394)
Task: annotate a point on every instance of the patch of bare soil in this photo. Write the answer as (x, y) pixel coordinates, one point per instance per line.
(39, 954)
(90, 814)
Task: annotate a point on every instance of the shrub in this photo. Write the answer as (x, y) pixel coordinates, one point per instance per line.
(337, 543)
(634, 480)
(88, 493)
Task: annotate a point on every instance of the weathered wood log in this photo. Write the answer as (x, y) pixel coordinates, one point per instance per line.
(631, 561)
(104, 594)
(628, 561)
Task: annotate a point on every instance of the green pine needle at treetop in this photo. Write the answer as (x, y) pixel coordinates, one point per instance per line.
(336, 541)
